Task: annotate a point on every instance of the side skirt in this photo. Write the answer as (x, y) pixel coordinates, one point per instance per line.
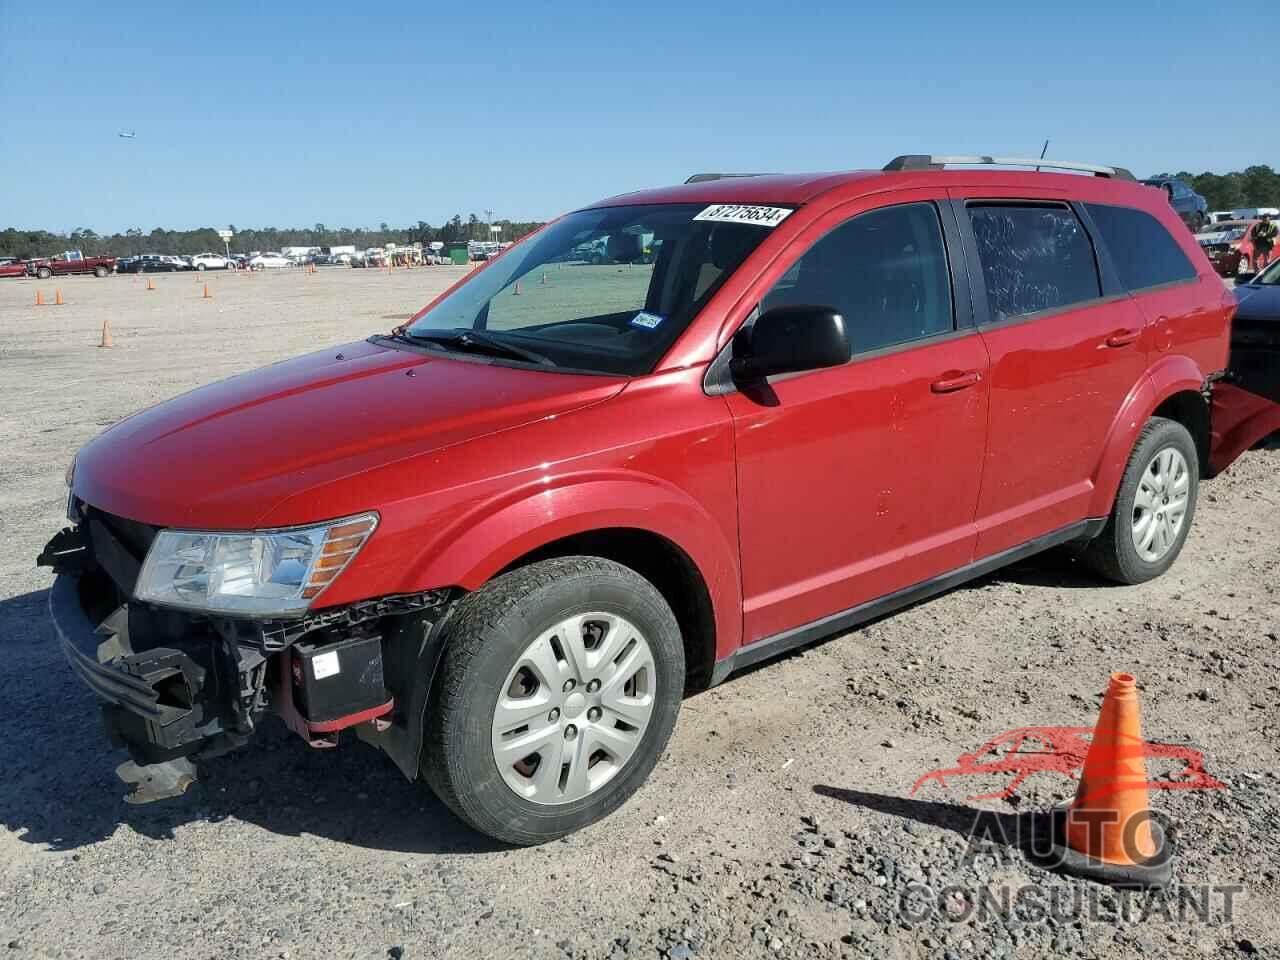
(788, 640)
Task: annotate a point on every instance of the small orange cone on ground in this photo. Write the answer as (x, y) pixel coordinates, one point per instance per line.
(39, 299)
(107, 340)
(205, 295)
(1108, 833)
(57, 298)
(151, 284)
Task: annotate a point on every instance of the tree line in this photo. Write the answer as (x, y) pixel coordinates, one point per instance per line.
(43, 243)
(1255, 186)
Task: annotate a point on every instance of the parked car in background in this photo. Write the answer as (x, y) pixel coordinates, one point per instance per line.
(13, 267)
(1222, 216)
(71, 262)
(152, 263)
(516, 530)
(211, 261)
(269, 261)
(1255, 213)
(1189, 205)
(373, 257)
(1229, 247)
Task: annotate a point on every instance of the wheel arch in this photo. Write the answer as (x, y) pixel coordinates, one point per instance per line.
(1174, 388)
(664, 564)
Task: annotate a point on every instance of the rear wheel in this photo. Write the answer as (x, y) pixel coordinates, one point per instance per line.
(559, 689)
(1154, 506)
(99, 271)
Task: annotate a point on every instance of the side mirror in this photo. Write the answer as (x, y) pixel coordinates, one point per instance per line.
(789, 340)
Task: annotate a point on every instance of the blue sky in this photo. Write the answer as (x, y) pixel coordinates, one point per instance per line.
(351, 114)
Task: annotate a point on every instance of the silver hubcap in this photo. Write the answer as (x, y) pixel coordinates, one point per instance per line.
(574, 708)
(1160, 506)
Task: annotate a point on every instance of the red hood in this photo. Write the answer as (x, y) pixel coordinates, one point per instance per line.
(222, 456)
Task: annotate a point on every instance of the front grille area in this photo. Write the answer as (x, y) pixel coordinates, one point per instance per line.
(119, 546)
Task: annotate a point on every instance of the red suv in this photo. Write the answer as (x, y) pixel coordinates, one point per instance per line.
(503, 540)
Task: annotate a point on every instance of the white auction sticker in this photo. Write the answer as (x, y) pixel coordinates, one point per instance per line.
(744, 213)
(325, 665)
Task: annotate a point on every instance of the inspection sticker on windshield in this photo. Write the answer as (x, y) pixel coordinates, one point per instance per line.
(649, 321)
(744, 213)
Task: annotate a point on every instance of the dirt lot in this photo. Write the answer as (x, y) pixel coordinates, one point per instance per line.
(781, 821)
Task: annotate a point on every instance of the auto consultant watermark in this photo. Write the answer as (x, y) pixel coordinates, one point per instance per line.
(1038, 836)
(1032, 903)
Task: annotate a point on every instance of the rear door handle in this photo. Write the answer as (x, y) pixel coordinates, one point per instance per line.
(956, 381)
(1122, 338)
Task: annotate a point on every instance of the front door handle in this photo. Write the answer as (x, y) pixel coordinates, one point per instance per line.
(1122, 338)
(954, 381)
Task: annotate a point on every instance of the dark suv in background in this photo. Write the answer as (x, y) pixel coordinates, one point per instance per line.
(1186, 203)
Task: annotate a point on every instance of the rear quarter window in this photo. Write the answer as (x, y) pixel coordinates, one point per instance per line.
(1144, 253)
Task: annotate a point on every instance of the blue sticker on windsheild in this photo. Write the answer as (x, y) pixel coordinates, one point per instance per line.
(650, 321)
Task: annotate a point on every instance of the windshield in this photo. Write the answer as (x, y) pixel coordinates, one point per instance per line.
(1270, 276)
(605, 290)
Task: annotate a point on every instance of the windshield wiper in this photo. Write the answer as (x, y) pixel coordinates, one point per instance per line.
(478, 341)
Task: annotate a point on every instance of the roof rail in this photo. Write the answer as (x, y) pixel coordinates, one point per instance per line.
(704, 177)
(925, 161)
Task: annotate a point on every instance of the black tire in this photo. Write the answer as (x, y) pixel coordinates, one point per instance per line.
(1112, 554)
(200, 267)
(488, 631)
(99, 271)
(44, 273)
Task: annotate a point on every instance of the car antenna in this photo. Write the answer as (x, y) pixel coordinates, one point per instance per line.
(1043, 151)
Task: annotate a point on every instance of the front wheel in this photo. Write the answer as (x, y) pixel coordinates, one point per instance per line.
(1154, 506)
(559, 689)
(44, 273)
(200, 267)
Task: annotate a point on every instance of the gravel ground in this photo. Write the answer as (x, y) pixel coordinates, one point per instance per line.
(781, 822)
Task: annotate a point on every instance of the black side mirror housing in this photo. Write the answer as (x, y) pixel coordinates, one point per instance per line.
(790, 340)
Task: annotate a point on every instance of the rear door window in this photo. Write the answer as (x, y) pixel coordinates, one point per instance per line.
(1144, 253)
(885, 271)
(1034, 258)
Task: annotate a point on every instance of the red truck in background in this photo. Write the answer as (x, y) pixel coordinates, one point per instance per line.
(71, 261)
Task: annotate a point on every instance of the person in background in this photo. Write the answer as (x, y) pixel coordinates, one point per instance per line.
(1263, 237)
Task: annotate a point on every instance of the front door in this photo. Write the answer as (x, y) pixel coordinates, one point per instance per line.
(860, 480)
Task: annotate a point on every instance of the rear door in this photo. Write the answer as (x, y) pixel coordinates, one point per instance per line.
(1066, 349)
(860, 480)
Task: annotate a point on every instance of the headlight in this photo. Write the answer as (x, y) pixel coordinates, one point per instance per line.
(265, 573)
(73, 510)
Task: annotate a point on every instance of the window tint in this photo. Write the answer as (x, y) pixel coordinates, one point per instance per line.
(1033, 258)
(884, 271)
(1140, 247)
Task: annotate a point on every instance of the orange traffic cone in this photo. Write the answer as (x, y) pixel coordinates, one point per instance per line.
(39, 299)
(1108, 833)
(205, 295)
(107, 341)
(151, 284)
(57, 298)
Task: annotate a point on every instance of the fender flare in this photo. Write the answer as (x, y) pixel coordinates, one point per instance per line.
(489, 538)
(481, 543)
(1171, 375)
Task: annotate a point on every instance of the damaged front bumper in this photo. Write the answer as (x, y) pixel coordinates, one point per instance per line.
(178, 686)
